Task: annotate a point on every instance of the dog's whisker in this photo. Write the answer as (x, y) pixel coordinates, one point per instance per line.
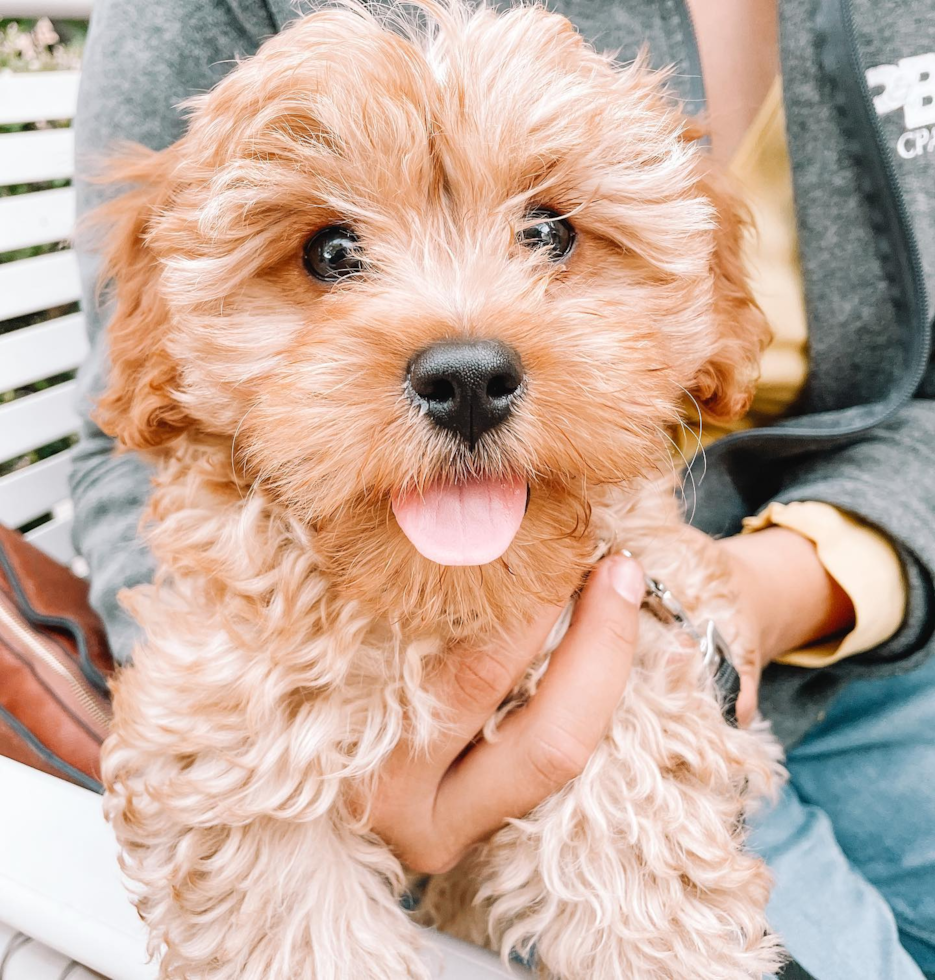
(698, 434)
(686, 469)
(237, 480)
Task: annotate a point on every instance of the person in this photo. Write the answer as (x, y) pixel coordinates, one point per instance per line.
(835, 570)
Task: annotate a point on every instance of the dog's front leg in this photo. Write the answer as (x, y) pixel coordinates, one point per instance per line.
(242, 858)
(272, 899)
(636, 868)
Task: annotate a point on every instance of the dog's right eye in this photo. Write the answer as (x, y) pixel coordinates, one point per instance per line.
(549, 231)
(333, 253)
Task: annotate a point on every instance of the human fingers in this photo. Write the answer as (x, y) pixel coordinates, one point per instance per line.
(549, 741)
(469, 687)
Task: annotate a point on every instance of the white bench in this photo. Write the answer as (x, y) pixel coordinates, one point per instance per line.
(75, 9)
(32, 285)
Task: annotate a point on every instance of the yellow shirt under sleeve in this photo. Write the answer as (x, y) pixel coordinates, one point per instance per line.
(860, 560)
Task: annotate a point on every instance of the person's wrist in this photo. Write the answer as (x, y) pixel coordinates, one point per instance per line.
(753, 590)
(787, 591)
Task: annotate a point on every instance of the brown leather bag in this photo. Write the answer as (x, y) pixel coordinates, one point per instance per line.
(54, 666)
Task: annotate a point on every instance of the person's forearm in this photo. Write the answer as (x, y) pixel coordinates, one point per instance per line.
(795, 601)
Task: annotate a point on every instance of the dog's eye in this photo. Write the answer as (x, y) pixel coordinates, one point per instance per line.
(333, 253)
(545, 229)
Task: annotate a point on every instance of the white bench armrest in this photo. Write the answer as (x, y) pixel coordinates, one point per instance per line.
(59, 880)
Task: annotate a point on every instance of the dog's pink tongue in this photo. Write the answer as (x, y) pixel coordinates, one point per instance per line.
(469, 523)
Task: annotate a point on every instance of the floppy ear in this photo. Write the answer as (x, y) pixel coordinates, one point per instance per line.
(138, 406)
(725, 386)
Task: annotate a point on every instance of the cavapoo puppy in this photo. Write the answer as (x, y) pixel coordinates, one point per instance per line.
(404, 322)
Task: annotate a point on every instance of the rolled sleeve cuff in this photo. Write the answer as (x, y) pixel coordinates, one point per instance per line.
(861, 560)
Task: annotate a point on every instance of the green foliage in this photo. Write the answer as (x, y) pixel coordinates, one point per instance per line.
(38, 45)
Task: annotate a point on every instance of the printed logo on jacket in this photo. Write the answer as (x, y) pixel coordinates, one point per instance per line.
(908, 85)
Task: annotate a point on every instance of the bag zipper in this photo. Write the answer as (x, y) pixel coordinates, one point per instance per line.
(50, 658)
(36, 619)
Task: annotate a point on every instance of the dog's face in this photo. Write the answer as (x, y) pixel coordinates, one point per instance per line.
(433, 292)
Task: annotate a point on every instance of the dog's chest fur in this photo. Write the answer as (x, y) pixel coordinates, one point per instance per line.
(256, 679)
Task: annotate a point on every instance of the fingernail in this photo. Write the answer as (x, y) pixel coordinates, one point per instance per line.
(626, 576)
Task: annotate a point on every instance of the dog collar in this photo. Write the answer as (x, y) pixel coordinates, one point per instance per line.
(715, 650)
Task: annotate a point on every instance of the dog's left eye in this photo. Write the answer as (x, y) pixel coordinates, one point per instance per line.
(333, 253)
(545, 229)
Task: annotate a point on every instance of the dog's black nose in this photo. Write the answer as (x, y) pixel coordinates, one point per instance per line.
(467, 387)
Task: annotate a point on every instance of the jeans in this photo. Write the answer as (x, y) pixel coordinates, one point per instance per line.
(851, 840)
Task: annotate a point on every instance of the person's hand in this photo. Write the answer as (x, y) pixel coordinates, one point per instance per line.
(786, 601)
(432, 806)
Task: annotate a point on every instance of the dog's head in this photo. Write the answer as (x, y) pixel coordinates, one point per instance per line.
(433, 290)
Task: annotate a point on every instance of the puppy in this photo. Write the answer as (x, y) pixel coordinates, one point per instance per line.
(404, 322)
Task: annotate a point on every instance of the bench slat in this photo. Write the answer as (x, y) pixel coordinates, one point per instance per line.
(36, 420)
(71, 9)
(35, 490)
(28, 158)
(38, 96)
(34, 961)
(39, 283)
(36, 219)
(54, 538)
(41, 351)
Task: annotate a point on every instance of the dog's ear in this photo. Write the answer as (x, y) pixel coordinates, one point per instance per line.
(138, 406)
(725, 386)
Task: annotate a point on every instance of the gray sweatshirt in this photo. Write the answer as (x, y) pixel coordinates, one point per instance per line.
(861, 130)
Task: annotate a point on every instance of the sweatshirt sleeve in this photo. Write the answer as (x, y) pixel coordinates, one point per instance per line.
(140, 62)
(884, 481)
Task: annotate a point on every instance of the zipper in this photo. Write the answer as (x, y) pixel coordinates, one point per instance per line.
(915, 298)
(36, 619)
(884, 197)
(51, 659)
